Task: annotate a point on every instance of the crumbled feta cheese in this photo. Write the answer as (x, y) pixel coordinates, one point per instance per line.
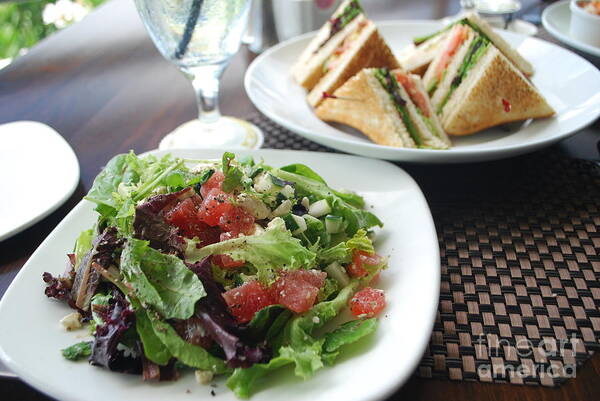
(305, 202)
(72, 321)
(284, 208)
(203, 376)
(316, 320)
(203, 166)
(258, 229)
(287, 191)
(263, 183)
(255, 206)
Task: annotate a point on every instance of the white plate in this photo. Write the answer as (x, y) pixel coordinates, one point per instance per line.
(30, 341)
(569, 83)
(556, 18)
(38, 173)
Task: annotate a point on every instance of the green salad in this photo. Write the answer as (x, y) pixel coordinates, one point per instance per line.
(220, 267)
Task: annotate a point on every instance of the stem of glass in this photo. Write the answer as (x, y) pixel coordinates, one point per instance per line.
(205, 80)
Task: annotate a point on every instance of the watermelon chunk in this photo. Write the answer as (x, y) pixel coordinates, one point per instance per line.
(297, 290)
(367, 302)
(246, 300)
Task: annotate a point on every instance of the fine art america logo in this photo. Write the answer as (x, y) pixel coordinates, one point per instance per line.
(547, 358)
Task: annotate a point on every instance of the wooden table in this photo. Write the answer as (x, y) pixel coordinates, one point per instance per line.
(104, 87)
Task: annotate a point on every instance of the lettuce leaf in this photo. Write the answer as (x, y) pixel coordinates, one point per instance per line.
(77, 351)
(107, 183)
(344, 205)
(159, 339)
(298, 347)
(315, 236)
(154, 349)
(347, 333)
(152, 328)
(298, 331)
(214, 316)
(390, 84)
(118, 319)
(125, 180)
(242, 381)
(351, 198)
(83, 246)
(149, 223)
(303, 170)
(233, 175)
(161, 281)
(98, 301)
(268, 320)
(274, 249)
(342, 252)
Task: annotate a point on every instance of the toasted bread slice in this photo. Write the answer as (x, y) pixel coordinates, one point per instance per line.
(308, 70)
(363, 103)
(494, 92)
(366, 49)
(512, 54)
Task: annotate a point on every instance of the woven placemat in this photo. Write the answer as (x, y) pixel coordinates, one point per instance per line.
(520, 255)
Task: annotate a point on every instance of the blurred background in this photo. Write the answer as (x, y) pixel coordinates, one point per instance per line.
(24, 23)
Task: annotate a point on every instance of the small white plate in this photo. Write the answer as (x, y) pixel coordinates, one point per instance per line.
(30, 342)
(570, 84)
(556, 18)
(517, 26)
(38, 172)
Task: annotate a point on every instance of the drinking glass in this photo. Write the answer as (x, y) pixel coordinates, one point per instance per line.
(200, 37)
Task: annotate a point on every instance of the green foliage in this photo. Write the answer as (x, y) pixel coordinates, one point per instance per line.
(22, 26)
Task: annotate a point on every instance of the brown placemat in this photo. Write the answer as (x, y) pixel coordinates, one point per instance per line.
(520, 253)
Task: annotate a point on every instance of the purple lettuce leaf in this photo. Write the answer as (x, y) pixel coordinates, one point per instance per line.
(77, 287)
(150, 225)
(192, 330)
(59, 287)
(118, 317)
(221, 326)
(87, 279)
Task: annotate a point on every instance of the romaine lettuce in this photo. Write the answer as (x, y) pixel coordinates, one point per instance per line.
(160, 281)
(274, 249)
(347, 333)
(152, 328)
